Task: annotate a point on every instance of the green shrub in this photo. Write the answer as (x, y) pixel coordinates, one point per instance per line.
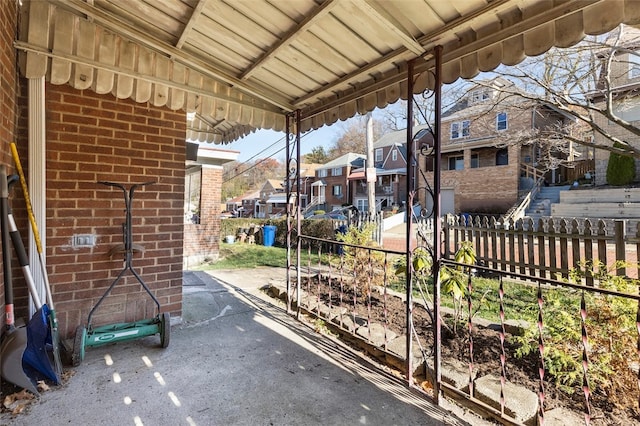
(621, 169)
(611, 330)
(367, 265)
(453, 280)
(319, 228)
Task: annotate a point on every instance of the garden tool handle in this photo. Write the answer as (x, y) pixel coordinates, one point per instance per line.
(27, 198)
(32, 220)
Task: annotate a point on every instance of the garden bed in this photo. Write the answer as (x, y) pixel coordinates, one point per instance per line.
(391, 310)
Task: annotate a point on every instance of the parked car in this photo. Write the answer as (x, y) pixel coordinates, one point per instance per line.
(335, 215)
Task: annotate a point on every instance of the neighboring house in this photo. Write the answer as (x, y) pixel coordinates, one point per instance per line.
(233, 204)
(272, 201)
(481, 170)
(625, 82)
(243, 205)
(307, 178)
(390, 162)
(249, 201)
(331, 189)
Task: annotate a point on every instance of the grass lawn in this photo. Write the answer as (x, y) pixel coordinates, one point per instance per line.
(239, 256)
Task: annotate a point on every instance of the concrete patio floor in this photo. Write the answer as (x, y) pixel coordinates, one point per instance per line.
(236, 358)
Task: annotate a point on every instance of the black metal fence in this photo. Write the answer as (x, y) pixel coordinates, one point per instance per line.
(511, 344)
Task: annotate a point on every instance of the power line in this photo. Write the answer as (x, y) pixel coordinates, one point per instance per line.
(253, 166)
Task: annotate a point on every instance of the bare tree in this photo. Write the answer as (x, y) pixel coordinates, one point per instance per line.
(589, 82)
(354, 136)
(239, 178)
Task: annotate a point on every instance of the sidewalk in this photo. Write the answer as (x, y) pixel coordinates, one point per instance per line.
(235, 359)
(396, 238)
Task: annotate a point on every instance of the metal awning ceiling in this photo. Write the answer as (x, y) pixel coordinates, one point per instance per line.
(241, 65)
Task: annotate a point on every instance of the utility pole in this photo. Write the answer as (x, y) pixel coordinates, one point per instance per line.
(371, 168)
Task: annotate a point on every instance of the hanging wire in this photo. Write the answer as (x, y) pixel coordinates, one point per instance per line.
(262, 160)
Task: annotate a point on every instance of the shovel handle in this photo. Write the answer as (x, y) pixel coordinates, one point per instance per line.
(27, 198)
(32, 220)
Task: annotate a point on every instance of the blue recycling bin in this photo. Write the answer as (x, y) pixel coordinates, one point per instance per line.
(269, 235)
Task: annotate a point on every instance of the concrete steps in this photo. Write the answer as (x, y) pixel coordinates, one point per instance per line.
(541, 205)
(618, 203)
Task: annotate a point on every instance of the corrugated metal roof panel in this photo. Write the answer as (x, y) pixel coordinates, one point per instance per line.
(245, 65)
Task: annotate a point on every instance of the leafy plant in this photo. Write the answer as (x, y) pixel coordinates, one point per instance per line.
(319, 326)
(453, 280)
(611, 330)
(366, 264)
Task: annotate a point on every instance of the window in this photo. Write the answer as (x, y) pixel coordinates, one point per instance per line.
(337, 190)
(627, 110)
(362, 205)
(501, 121)
(192, 197)
(634, 65)
(455, 130)
(378, 155)
(480, 95)
(322, 173)
(456, 162)
(502, 157)
(460, 130)
(475, 161)
(394, 155)
(336, 171)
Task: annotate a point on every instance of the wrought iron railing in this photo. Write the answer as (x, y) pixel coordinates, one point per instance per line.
(504, 342)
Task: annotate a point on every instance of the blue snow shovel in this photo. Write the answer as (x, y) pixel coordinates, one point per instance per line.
(14, 342)
(35, 360)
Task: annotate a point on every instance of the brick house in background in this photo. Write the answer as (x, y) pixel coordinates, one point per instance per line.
(331, 189)
(307, 178)
(481, 171)
(390, 161)
(272, 200)
(243, 204)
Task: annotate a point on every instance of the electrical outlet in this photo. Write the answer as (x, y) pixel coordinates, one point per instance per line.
(84, 240)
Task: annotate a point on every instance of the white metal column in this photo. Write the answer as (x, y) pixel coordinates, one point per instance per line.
(37, 177)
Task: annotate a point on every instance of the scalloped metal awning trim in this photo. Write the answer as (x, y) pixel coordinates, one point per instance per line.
(238, 75)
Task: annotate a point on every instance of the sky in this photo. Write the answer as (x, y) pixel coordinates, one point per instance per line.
(267, 143)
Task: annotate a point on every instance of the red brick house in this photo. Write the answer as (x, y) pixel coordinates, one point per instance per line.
(331, 188)
(390, 161)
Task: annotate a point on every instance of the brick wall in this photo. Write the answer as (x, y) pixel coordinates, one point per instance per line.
(9, 109)
(202, 241)
(490, 189)
(92, 138)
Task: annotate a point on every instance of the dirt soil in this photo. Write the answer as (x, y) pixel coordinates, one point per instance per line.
(486, 351)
